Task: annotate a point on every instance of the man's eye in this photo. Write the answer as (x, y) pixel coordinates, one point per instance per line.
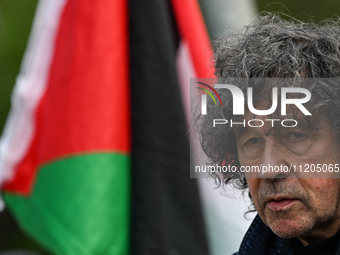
(295, 136)
(298, 143)
(253, 147)
(254, 141)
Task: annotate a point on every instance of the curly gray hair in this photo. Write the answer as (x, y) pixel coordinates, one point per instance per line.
(272, 48)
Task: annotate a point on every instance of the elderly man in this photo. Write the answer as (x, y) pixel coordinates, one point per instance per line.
(286, 154)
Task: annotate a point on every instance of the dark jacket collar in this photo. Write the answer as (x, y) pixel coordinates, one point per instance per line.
(260, 240)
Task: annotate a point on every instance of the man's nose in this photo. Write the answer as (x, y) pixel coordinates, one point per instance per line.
(274, 164)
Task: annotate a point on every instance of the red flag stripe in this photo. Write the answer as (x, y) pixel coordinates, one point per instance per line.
(192, 29)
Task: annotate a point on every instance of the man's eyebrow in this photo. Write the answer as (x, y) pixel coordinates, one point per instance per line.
(240, 130)
(303, 125)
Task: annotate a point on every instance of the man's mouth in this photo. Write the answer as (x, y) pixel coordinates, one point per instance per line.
(280, 203)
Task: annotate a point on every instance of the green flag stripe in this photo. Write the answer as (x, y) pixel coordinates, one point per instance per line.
(79, 205)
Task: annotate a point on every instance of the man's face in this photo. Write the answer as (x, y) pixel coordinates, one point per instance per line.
(302, 207)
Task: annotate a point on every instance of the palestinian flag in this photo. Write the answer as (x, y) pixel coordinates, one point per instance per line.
(66, 148)
(94, 158)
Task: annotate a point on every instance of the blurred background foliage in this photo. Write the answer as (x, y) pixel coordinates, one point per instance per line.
(15, 21)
